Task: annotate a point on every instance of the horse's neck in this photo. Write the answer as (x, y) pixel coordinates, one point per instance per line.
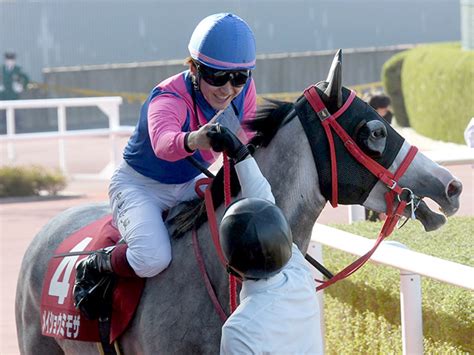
(288, 165)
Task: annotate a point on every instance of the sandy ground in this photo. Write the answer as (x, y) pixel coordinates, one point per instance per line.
(21, 219)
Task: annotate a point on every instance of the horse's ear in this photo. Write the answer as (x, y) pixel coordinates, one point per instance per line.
(333, 91)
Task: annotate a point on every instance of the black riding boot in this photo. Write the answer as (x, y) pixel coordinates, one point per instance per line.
(94, 282)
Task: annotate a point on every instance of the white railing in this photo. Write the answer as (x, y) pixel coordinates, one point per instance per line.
(108, 105)
(411, 265)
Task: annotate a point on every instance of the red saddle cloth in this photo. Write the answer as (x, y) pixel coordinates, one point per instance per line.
(59, 317)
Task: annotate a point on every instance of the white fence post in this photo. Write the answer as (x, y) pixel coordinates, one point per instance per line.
(410, 308)
(114, 124)
(411, 313)
(10, 133)
(356, 213)
(113, 113)
(62, 129)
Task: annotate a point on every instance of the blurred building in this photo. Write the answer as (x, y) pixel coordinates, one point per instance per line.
(52, 33)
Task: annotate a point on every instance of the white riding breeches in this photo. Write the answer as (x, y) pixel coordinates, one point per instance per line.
(137, 205)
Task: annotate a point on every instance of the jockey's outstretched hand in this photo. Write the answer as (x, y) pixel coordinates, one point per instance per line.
(223, 140)
(197, 140)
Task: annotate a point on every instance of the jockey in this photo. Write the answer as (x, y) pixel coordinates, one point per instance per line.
(174, 123)
(279, 309)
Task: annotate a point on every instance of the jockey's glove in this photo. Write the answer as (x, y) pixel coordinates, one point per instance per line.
(223, 140)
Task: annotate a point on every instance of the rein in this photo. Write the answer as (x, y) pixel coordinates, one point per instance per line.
(329, 122)
(227, 199)
(212, 225)
(215, 238)
(207, 195)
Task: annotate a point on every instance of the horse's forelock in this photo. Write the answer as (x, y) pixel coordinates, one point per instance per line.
(268, 120)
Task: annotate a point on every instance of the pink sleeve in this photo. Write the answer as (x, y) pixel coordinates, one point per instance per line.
(166, 116)
(250, 108)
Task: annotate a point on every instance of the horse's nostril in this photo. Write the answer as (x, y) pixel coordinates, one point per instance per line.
(454, 188)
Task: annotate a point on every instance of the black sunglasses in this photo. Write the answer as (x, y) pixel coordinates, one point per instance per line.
(216, 77)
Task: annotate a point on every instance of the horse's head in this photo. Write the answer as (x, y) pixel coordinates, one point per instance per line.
(358, 156)
(379, 144)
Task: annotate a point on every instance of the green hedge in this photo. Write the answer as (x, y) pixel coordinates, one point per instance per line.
(29, 181)
(362, 313)
(438, 87)
(392, 82)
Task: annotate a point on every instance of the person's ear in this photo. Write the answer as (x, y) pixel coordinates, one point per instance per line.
(192, 68)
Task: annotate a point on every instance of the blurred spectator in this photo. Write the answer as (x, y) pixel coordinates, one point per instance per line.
(13, 81)
(380, 103)
(469, 134)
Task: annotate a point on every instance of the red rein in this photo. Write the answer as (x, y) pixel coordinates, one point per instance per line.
(391, 180)
(227, 199)
(215, 238)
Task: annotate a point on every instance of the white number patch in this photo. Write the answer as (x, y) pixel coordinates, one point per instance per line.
(61, 288)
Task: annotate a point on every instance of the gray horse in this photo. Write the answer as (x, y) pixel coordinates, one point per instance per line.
(175, 315)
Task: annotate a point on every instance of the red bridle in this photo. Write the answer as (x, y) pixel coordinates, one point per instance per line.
(329, 122)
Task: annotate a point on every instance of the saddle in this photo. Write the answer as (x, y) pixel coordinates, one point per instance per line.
(59, 317)
(115, 298)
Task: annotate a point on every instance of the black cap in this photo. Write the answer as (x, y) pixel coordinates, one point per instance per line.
(379, 101)
(255, 237)
(10, 55)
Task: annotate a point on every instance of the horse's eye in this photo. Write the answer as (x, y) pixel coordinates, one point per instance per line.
(379, 133)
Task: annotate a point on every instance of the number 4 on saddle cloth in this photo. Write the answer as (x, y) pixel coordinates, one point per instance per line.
(59, 317)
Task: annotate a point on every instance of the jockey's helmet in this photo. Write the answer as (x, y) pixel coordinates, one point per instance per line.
(223, 41)
(256, 238)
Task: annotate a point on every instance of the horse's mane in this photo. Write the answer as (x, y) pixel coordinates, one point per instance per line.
(267, 121)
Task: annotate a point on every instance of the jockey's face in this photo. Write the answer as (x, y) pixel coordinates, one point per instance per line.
(219, 97)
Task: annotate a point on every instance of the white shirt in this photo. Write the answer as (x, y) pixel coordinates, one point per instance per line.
(279, 315)
(252, 182)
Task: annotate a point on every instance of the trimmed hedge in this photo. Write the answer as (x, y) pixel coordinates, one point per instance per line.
(438, 87)
(362, 313)
(29, 181)
(392, 82)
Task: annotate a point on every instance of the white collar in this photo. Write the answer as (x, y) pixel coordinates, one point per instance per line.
(250, 287)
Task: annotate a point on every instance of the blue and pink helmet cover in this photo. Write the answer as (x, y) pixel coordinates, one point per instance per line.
(223, 41)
